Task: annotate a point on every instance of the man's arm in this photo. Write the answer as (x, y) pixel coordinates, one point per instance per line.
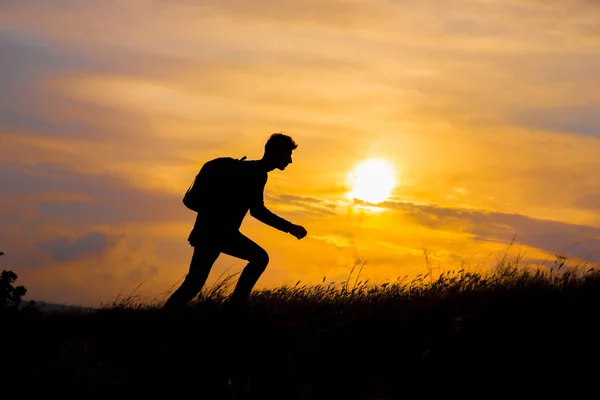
(263, 214)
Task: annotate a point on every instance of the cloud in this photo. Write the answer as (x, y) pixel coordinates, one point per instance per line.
(141, 272)
(77, 197)
(589, 200)
(307, 208)
(547, 235)
(336, 240)
(334, 13)
(197, 71)
(584, 120)
(65, 248)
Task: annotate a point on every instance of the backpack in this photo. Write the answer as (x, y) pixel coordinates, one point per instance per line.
(209, 177)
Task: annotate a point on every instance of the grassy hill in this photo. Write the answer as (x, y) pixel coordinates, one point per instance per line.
(511, 332)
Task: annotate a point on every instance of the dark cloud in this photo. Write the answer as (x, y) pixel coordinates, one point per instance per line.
(88, 198)
(298, 199)
(24, 61)
(547, 235)
(589, 201)
(307, 206)
(28, 105)
(583, 119)
(65, 248)
(26, 57)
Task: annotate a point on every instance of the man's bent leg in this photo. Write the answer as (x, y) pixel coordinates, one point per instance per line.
(202, 260)
(241, 246)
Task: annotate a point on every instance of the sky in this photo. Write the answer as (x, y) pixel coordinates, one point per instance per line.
(488, 111)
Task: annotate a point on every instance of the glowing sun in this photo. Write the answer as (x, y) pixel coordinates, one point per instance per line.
(372, 181)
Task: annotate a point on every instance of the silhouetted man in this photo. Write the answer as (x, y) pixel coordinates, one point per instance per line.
(229, 190)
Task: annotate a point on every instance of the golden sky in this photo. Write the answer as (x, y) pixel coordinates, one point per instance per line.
(488, 110)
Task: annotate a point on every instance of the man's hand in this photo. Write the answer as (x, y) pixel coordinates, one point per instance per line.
(298, 231)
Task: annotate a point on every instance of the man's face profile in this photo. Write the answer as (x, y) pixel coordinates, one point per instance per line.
(284, 158)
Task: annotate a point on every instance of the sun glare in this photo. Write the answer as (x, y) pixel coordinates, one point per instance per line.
(372, 181)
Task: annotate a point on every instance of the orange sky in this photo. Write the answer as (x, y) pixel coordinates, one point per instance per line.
(488, 110)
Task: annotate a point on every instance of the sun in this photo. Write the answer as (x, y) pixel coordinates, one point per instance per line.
(372, 181)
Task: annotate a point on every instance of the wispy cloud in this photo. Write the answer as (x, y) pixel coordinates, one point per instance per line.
(64, 248)
(488, 226)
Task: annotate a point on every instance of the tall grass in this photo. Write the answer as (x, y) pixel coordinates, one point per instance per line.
(509, 273)
(352, 339)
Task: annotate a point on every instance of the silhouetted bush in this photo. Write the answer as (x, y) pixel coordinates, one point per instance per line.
(11, 297)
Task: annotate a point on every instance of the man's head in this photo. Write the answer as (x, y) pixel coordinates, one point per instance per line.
(278, 150)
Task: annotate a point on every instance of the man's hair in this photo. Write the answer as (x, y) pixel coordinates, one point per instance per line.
(279, 142)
